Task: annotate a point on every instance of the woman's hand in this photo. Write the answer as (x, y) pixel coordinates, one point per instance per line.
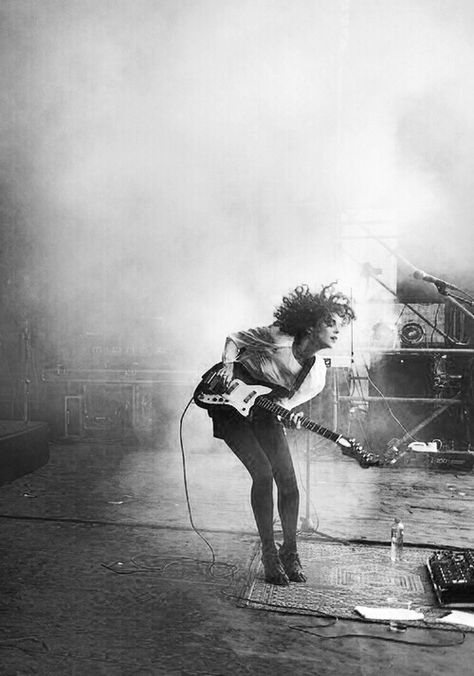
(226, 373)
(295, 419)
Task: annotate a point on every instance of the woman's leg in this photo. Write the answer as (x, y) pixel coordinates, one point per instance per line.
(273, 441)
(239, 436)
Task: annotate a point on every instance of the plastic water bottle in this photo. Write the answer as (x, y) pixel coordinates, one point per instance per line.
(396, 540)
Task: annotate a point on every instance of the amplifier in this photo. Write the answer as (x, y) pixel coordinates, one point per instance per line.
(460, 461)
(452, 575)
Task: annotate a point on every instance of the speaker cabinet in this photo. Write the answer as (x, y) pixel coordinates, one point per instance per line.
(415, 376)
(395, 375)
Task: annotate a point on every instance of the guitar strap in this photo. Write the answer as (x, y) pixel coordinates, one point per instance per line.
(241, 372)
(301, 376)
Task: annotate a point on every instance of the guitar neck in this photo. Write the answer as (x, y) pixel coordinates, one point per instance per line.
(308, 424)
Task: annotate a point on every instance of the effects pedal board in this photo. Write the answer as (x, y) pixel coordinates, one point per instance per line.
(452, 575)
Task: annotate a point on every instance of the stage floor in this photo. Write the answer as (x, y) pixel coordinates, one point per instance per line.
(102, 573)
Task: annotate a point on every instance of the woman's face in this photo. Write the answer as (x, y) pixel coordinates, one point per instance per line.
(325, 334)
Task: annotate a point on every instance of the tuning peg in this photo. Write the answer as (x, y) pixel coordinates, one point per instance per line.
(370, 460)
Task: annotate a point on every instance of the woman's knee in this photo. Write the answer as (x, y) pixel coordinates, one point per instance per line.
(288, 489)
(263, 479)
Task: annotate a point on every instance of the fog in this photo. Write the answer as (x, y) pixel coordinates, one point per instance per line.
(170, 169)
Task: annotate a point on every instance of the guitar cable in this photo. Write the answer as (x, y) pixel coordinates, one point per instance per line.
(213, 564)
(186, 487)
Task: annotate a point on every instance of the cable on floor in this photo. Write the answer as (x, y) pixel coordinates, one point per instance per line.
(390, 639)
(334, 619)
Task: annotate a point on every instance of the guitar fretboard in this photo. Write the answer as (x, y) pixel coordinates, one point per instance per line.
(308, 424)
(242, 397)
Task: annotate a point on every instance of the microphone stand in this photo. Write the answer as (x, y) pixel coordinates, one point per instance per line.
(370, 272)
(452, 294)
(442, 287)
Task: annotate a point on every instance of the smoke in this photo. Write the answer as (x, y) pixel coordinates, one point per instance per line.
(178, 166)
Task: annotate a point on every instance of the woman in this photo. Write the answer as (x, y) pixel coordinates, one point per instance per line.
(283, 356)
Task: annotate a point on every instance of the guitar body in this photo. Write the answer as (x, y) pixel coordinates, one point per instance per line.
(243, 396)
(212, 392)
(240, 396)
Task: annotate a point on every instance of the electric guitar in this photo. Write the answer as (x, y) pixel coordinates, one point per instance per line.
(243, 396)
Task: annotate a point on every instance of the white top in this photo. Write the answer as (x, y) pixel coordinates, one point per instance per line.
(267, 354)
(310, 387)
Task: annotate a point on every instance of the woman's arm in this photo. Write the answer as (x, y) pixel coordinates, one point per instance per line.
(231, 351)
(229, 355)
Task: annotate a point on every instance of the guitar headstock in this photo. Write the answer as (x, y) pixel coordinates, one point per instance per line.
(364, 458)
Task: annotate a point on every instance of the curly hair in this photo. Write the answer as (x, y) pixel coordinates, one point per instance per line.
(301, 309)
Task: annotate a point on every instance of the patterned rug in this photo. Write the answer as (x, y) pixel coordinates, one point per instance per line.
(342, 576)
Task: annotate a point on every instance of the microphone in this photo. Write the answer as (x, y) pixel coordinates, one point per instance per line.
(440, 283)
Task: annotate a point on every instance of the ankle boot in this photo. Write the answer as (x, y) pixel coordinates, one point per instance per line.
(292, 564)
(274, 571)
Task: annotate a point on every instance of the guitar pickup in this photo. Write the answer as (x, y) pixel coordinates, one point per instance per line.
(234, 385)
(250, 396)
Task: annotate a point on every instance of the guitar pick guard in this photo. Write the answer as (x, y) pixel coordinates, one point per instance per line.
(239, 395)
